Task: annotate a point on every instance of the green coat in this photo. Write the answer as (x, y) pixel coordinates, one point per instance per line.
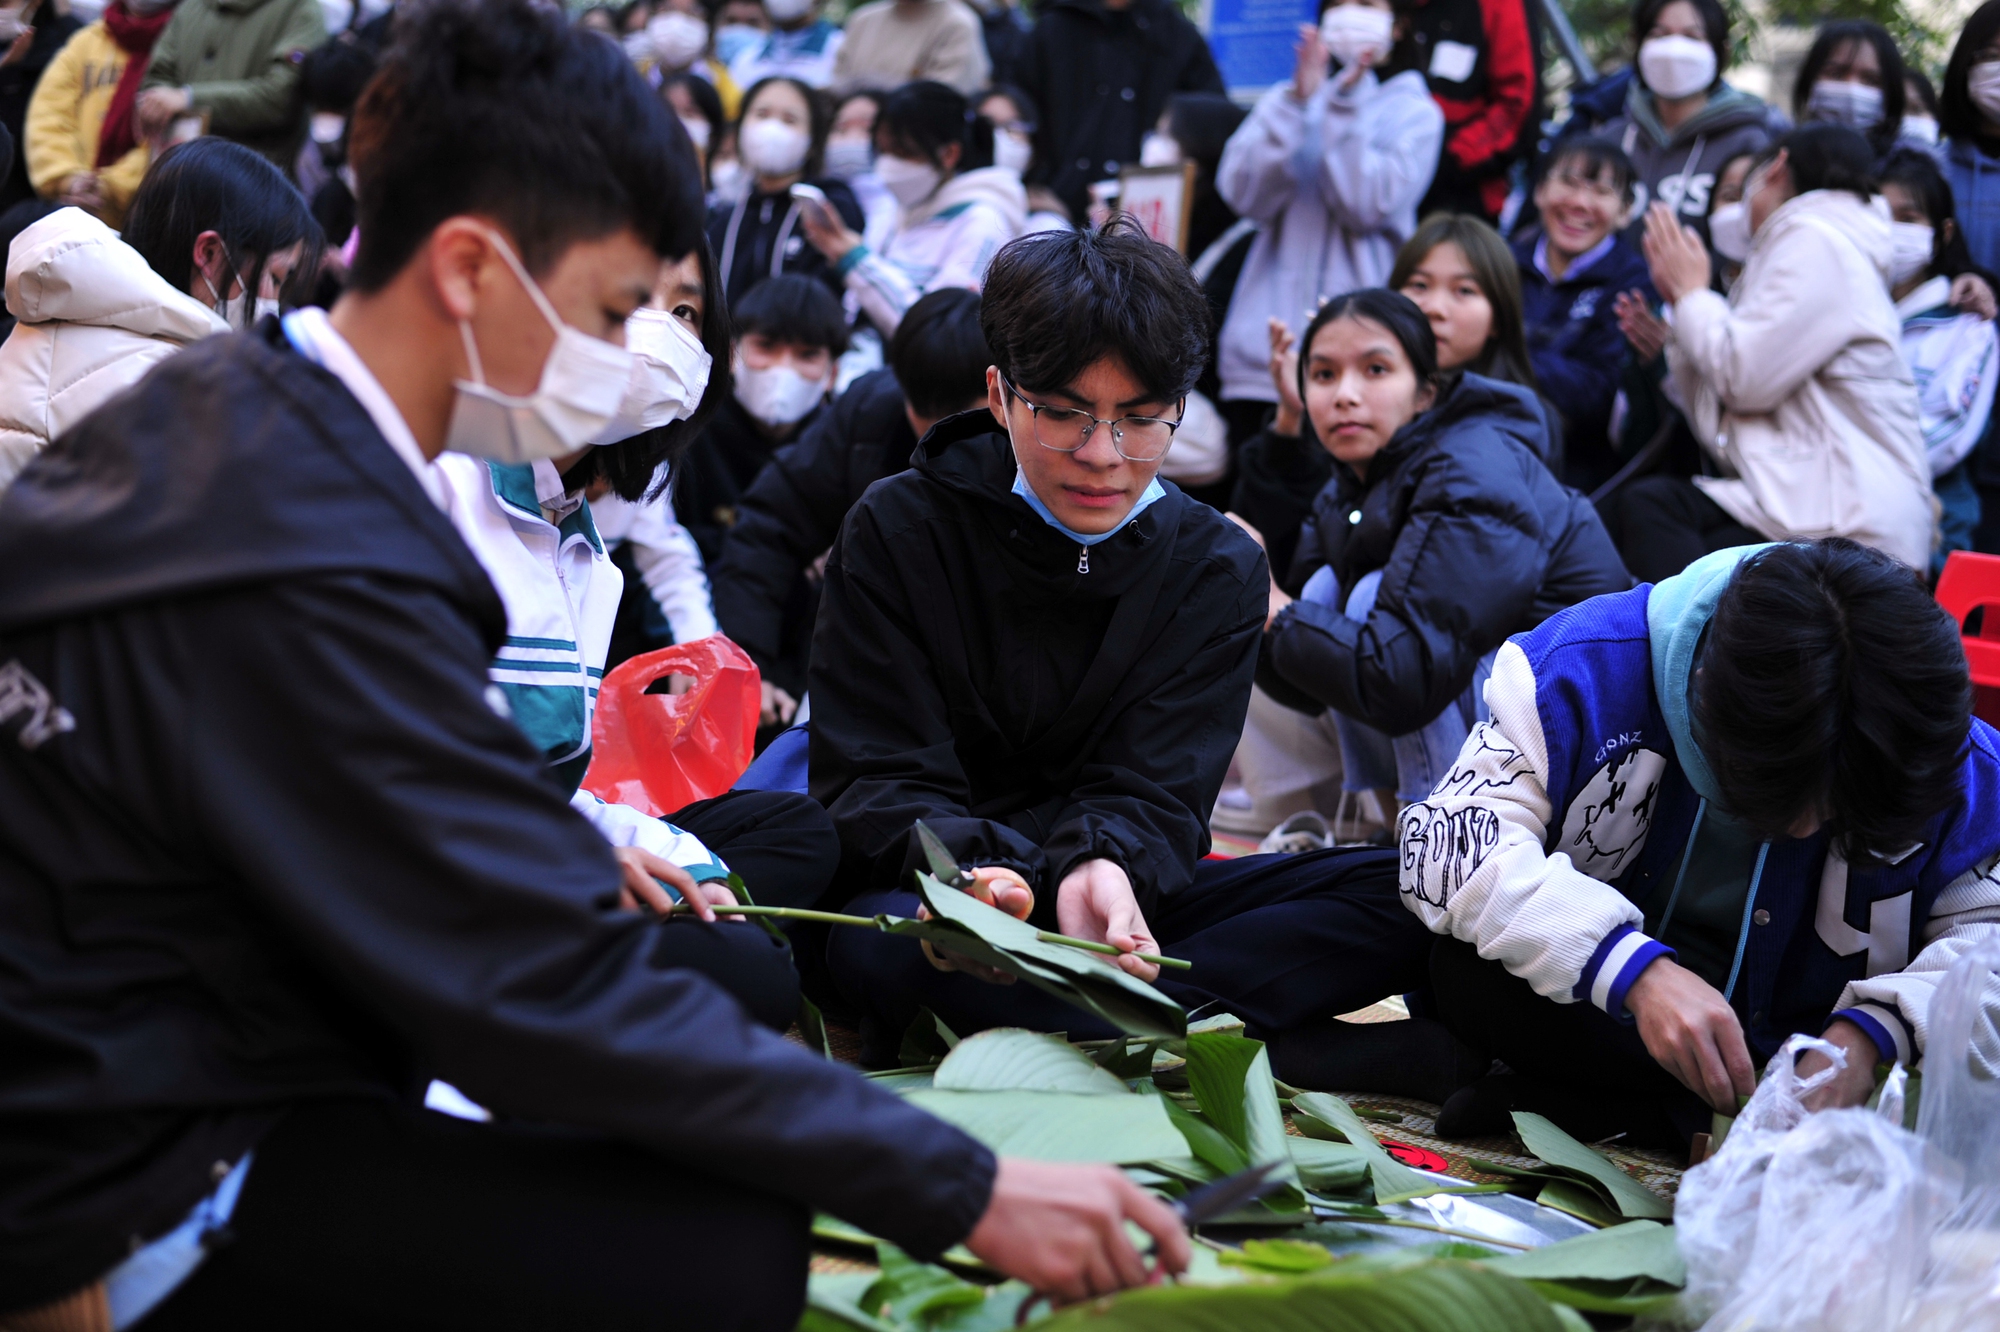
(240, 59)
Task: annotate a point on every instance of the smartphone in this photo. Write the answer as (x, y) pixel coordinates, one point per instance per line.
(815, 198)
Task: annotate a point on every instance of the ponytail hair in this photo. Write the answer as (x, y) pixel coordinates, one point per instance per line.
(919, 120)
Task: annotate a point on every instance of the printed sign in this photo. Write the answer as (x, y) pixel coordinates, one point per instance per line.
(1252, 40)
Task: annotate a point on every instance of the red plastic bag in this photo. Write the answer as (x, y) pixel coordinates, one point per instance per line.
(659, 752)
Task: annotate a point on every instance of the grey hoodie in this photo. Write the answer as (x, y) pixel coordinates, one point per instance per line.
(1679, 167)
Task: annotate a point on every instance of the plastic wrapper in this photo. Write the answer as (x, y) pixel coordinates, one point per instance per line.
(659, 752)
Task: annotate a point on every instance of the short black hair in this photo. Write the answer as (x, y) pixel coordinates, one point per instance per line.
(1056, 302)
(939, 353)
(502, 107)
(1394, 311)
(1958, 118)
(1825, 157)
(1830, 38)
(1031, 112)
(211, 184)
(1831, 685)
(706, 99)
(791, 307)
(1917, 171)
(1597, 155)
(333, 73)
(632, 466)
(920, 119)
(1714, 26)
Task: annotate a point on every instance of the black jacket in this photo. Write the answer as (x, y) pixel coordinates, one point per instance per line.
(790, 516)
(270, 843)
(711, 480)
(1476, 540)
(769, 239)
(966, 671)
(1101, 78)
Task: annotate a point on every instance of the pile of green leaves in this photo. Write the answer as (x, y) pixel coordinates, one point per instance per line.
(1179, 1112)
(1576, 1179)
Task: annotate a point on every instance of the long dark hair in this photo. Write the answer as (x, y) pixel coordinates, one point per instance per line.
(1393, 311)
(1825, 157)
(1505, 355)
(211, 184)
(1958, 118)
(1917, 171)
(920, 119)
(1830, 38)
(632, 467)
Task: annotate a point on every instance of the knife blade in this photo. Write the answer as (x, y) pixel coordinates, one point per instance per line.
(1229, 1193)
(944, 866)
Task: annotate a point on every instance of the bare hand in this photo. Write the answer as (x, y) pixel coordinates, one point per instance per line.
(1310, 72)
(17, 51)
(1095, 902)
(81, 190)
(1692, 1031)
(1061, 1229)
(1970, 293)
(1675, 254)
(776, 707)
(1646, 331)
(1351, 75)
(826, 232)
(997, 886)
(1285, 378)
(1854, 1084)
(156, 108)
(643, 872)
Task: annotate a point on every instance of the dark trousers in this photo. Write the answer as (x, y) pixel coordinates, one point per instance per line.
(782, 843)
(1662, 524)
(1576, 1049)
(374, 1215)
(1277, 940)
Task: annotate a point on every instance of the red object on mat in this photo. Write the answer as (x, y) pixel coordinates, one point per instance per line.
(1970, 581)
(1421, 1158)
(659, 752)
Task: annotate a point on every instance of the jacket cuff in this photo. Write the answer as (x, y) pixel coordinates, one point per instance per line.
(1608, 975)
(1887, 1028)
(851, 260)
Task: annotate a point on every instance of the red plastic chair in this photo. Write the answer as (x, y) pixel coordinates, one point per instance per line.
(1971, 582)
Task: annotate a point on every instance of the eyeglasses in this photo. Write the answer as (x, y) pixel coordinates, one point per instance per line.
(1138, 439)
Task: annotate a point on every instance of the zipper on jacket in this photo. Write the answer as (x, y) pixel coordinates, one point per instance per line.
(1083, 559)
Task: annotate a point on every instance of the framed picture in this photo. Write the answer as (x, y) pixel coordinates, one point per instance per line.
(1160, 199)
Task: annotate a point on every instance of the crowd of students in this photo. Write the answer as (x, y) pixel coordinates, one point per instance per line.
(1553, 603)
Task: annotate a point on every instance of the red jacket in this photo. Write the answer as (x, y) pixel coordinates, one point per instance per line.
(1479, 59)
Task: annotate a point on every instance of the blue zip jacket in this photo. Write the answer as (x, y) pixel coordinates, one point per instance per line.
(1576, 349)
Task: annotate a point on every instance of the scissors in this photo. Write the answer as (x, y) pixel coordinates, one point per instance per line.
(944, 867)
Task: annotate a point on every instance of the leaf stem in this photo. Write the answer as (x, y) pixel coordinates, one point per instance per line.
(1175, 963)
(868, 922)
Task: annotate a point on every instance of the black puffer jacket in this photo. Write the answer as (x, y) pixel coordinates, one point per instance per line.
(967, 672)
(1476, 540)
(710, 482)
(790, 516)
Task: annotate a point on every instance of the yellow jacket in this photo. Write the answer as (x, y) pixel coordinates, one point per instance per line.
(66, 115)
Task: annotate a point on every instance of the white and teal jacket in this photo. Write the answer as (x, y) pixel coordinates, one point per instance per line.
(561, 590)
(946, 241)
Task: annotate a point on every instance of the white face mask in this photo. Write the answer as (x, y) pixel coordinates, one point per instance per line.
(849, 157)
(777, 395)
(787, 11)
(1014, 152)
(1911, 245)
(240, 311)
(773, 148)
(1729, 231)
(728, 179)
(1855, 105)
(677, 38)
(1983, 86)
(1924, 129)
(670, 371)
(327, 126)
(910, 182)
(1352, 31)
(1157, 150)
(697, 134)
(1676, 67)
(638, 46)
(582, 385)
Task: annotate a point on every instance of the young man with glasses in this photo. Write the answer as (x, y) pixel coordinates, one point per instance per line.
(1042, 650)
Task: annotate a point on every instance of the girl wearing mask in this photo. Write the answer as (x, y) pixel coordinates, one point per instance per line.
(1331, 166)
(1795, 385)
(1681, 121)
(1954, 355)
(1969, 119)
(1014, 118)
(789, 331)
(1439, 534)
(676, 42)
(1853, 76)
(78, 144)
(215, 238)
(1920, 110)
(699, 106)
(850, 157)
(779, 138)
(936, 157)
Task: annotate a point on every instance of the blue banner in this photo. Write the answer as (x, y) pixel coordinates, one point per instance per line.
(1253, 39)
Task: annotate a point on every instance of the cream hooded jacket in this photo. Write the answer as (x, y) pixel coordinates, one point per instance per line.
(1796, 385)
(94, 318)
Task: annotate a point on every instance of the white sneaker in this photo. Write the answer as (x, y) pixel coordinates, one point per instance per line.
(1306, 830)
